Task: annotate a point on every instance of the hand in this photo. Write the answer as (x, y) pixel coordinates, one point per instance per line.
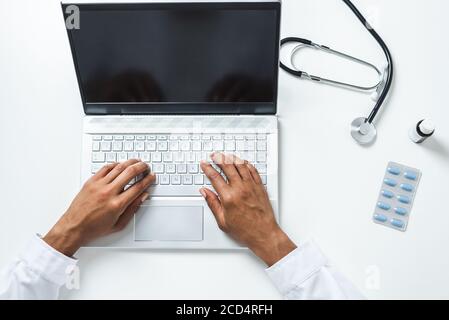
(101, 207)
(243, 210)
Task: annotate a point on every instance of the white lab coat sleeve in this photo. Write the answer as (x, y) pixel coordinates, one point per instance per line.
(306, 274)
(38, 273)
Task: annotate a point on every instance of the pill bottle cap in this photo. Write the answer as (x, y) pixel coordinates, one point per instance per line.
(427, 126)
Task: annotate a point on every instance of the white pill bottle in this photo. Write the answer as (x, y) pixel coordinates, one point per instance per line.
(423, 130)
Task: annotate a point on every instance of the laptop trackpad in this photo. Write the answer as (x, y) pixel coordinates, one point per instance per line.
(175, 223)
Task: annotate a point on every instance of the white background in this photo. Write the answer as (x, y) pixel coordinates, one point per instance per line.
(329, 184)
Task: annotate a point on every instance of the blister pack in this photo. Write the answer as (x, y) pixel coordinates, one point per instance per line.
(397, 195)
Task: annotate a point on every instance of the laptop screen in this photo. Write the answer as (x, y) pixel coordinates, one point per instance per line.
(177, 58)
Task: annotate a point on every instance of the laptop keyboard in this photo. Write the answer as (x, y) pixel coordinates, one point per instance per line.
(175, 158)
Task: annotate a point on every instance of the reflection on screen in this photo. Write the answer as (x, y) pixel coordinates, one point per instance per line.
(177, 55)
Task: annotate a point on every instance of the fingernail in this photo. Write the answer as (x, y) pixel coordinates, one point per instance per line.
(203, 193)
(145, 197)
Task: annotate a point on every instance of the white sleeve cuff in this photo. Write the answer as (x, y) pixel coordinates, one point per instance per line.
(298, 266)
(47, 262)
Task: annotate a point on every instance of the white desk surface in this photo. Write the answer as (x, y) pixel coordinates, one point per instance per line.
(329, 185)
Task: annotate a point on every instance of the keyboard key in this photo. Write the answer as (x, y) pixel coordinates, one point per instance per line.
(170, 168)
(175, 179)
(98, 157)
(261, 168)
(199, 179)
(240, 145)
(196, 146)
(150, 146)
(129, 137)
(156, 156)
(187, 179)
(107, 138)
(133, 155)
(182, 168)
(140, 137)
(117, 146)
(264, 179)
(97, 138)
(191, 156)
(151, 137)
(196, 137)
(95, 146)
(261, 137)
(239, 137)
(139, 146)
(122, 157)
(184, 146)
(158, 168)
(192, 168)
(174, 145)
(229, 137)
(145, 156)
(128, 146)
(111, 157)
(250, 137)
(106, 146)
(207, 146)
(162, 137)
(206, 137)
(119, 138)
(261, 146)
(216, 137)
(184, 137)
(250, 146)
(162, 146)
(95, 167)
(178, 157)
(164, 179)
(218, 146)
(167, 157)
(230, 146)
(261, 157)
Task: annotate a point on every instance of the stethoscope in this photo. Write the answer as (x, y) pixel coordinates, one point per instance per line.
(363, 129)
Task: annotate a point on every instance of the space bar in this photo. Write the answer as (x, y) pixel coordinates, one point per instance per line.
(175, 191)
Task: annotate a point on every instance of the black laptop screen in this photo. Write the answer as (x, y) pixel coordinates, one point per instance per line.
(177, 58)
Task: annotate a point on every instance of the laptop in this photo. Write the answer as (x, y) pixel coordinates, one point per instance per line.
(169, 83)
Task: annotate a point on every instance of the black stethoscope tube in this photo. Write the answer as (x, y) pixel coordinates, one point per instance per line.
(379, 40)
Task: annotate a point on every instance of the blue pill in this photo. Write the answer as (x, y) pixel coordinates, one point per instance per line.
(390, 182)
(384, 206)
(394, 171)
(387, 194)
(404, 199)
(380, 218)
(407, 187)
(397, 223)
(400, 211)
(411, 175)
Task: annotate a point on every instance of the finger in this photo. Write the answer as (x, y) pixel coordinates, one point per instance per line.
(242, 168)
(129, 212)
(226, 163)
(104, 171)
(254, 173)
(118, 169)
(128, 174)
(137, 189)
(215, 205)
(215, 178)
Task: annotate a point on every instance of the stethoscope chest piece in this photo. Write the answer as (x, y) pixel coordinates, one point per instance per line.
(363, 132)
